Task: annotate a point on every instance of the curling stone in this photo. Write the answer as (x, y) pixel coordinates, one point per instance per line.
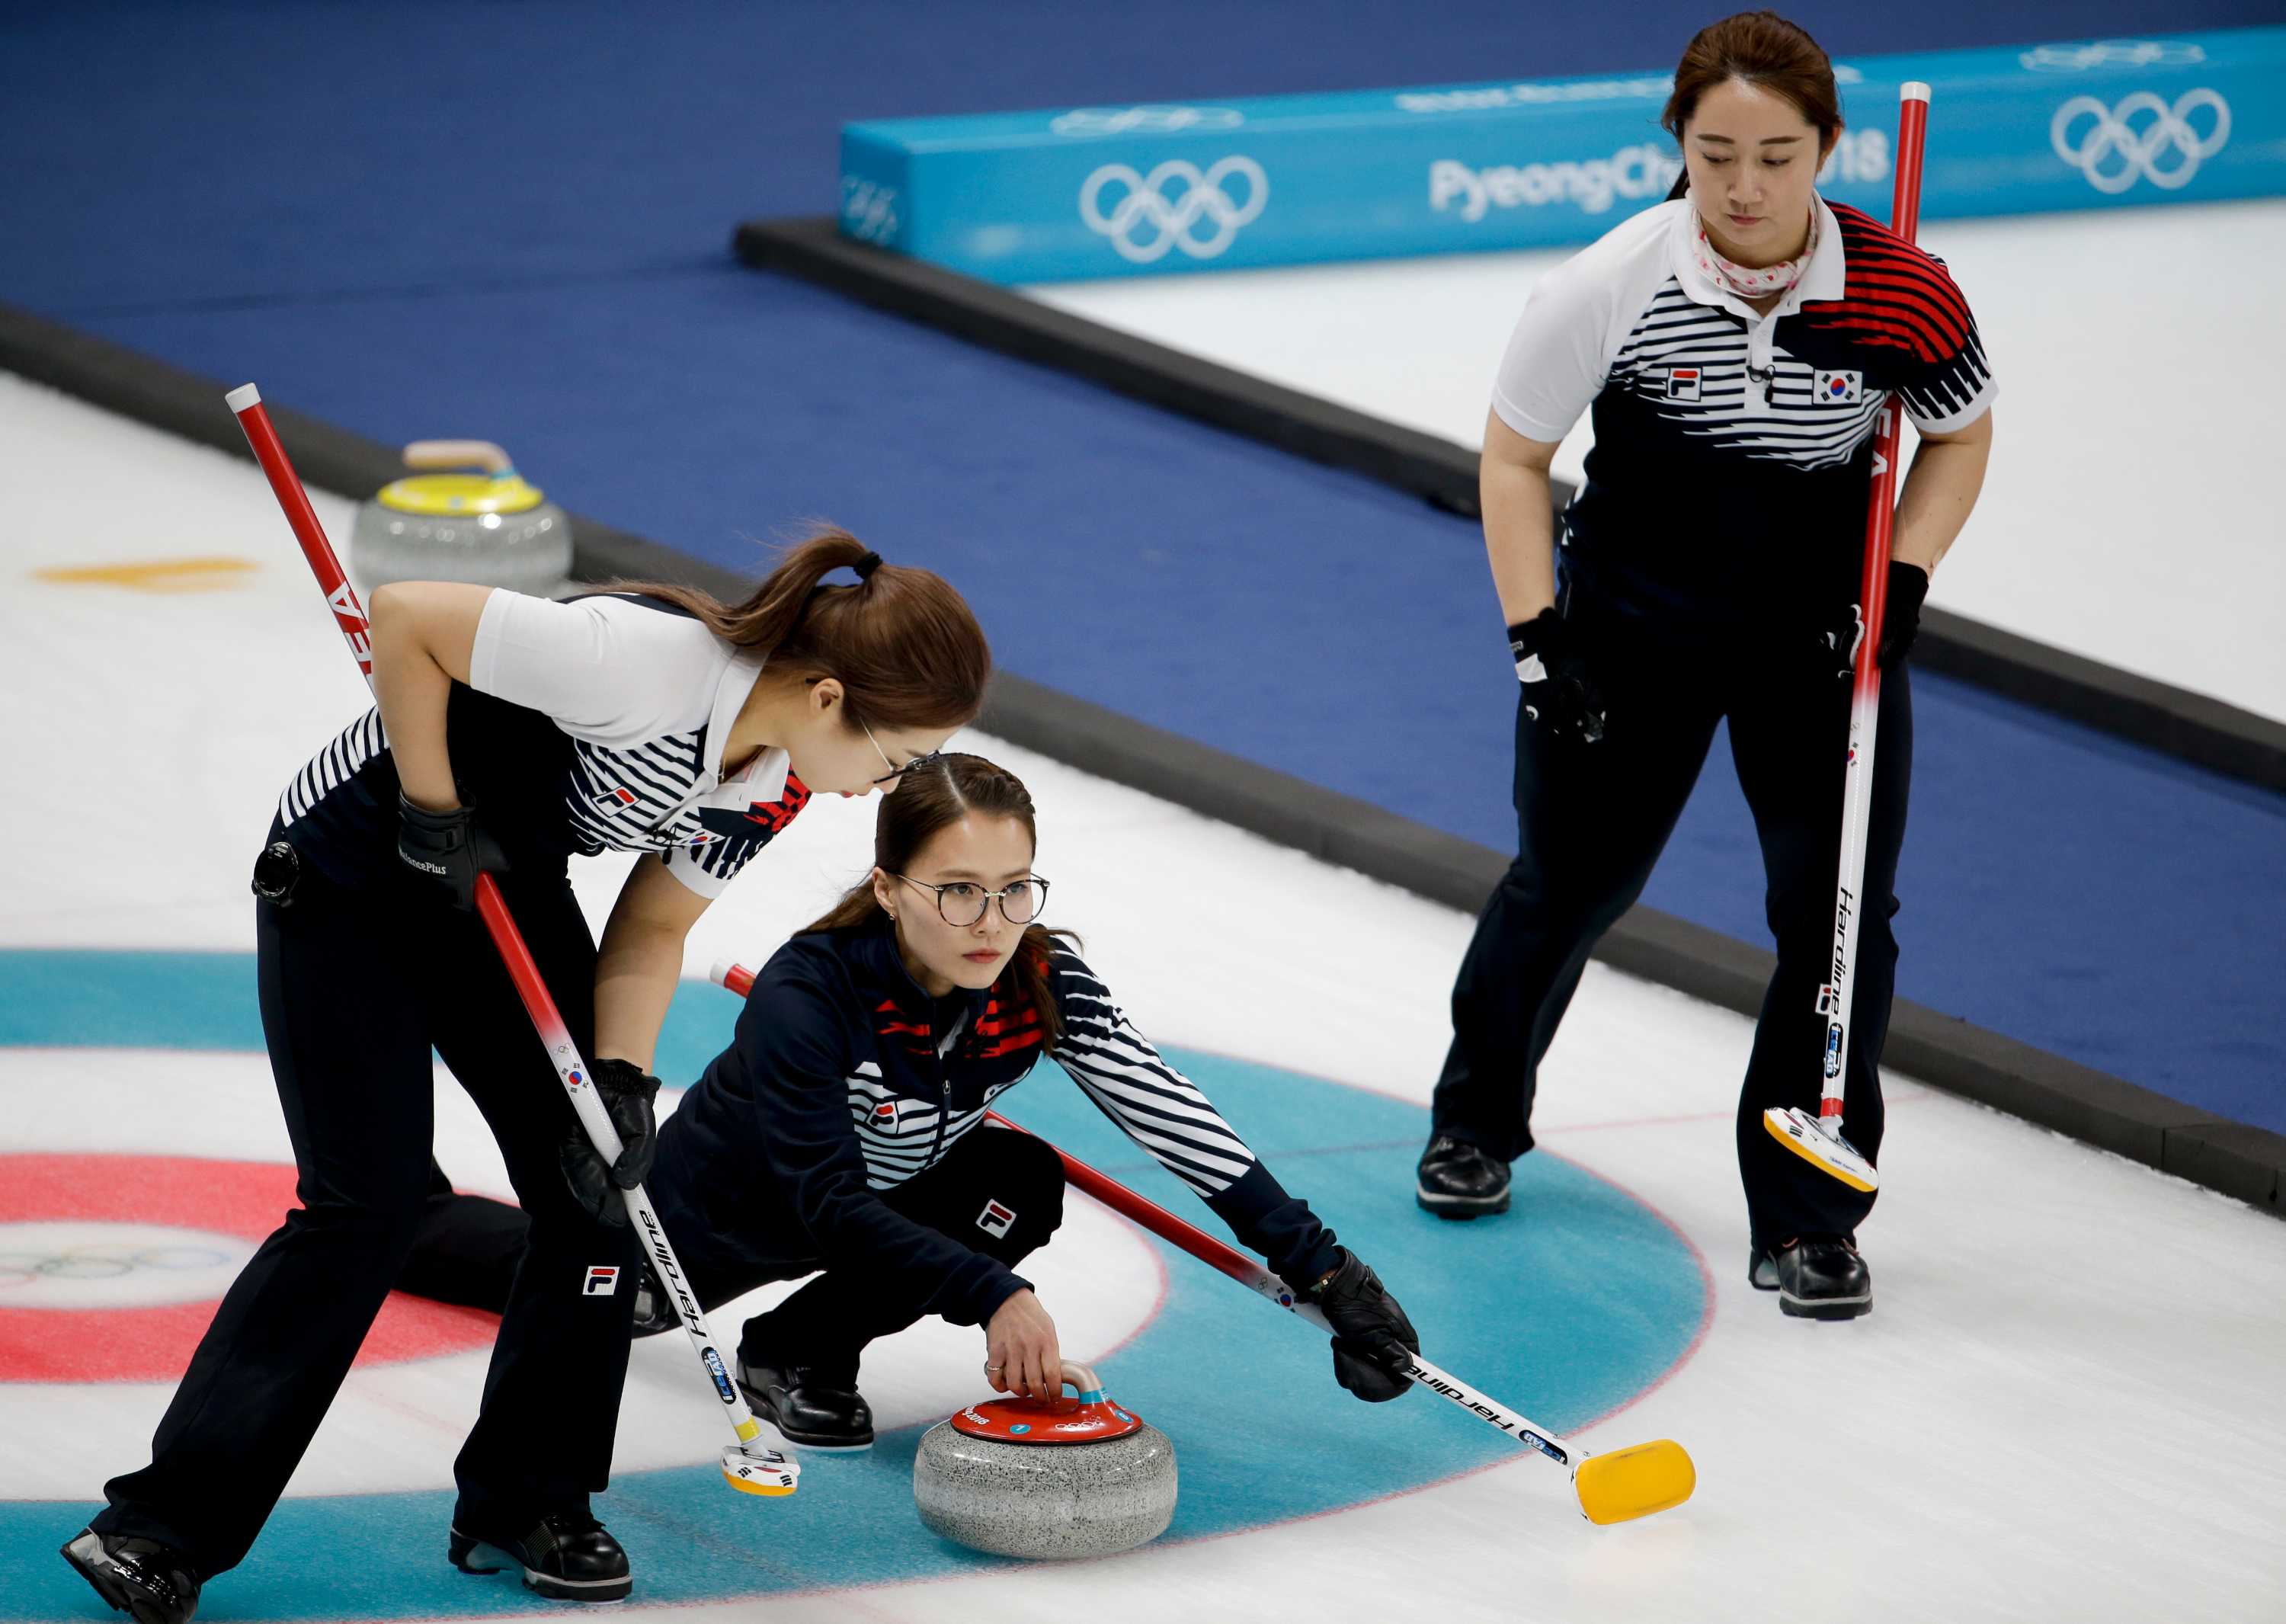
(491, 527)
(1081, 1477)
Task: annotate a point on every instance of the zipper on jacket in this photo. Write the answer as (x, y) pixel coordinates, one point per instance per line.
(945, 1091)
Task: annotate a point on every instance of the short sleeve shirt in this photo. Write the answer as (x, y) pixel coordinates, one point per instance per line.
(593, 725)
(1733, 451)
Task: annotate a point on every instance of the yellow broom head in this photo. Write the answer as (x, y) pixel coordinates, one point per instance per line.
(1634, 1482)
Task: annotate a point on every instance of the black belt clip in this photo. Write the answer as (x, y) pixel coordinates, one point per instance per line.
(276, 872)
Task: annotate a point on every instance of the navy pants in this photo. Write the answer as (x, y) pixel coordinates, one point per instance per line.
(356, 986)
(1591, 820)
(827, 1324)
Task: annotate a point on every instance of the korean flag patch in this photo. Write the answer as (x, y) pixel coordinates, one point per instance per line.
(1837, 387)
(1682, 383)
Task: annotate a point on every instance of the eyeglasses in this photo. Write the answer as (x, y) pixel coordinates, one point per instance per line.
(895, 772)
(961, 904)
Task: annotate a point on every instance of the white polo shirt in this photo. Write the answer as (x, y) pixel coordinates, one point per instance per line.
(1733, 451)
(612, 713)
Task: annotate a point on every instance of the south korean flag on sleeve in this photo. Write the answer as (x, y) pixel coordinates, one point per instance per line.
(1837, 387)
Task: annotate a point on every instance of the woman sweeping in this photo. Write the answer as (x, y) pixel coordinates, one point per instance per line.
(510, 733)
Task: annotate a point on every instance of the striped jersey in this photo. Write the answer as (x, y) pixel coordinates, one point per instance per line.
(592, 725)
(1733, 451)
(845, 1080)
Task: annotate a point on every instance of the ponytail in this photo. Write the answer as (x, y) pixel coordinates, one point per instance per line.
(904, 646)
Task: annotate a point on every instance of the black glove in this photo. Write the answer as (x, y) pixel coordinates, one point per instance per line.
(449, 847)
(1558, 692)
(627, 1092)
(1901, 621)
(1901, 614)
(1373, 1340)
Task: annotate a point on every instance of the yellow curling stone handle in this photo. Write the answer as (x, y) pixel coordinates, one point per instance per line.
(498, 489)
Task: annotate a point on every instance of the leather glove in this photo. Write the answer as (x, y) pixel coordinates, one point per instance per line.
(1901, 621)
(628, 1094)
(449, 847)
(1373, 1340)
(1558, 694)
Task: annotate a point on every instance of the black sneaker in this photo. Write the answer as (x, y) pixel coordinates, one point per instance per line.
(153, 1583)
(1457, 1180)
(812, 1408)
(568, 1556)
(1822, 1277)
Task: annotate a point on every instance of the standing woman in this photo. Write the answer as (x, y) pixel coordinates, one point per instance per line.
(510, 732)
(1734, 344)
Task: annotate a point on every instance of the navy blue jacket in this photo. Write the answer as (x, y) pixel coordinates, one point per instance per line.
(845, 1079)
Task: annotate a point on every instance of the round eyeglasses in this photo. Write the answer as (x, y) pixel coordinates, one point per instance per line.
(961, 903)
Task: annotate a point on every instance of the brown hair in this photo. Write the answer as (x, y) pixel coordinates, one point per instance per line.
(904, 644)
(932, 797)
(1768, 53)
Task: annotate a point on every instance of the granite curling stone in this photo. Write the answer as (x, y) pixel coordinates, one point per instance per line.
(1081, 1477)
(493, 528)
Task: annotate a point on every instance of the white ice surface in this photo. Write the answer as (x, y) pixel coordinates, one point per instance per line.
(2128, 516)
(2066, 1406)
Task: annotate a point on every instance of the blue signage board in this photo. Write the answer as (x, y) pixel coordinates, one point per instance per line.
(1050, 196)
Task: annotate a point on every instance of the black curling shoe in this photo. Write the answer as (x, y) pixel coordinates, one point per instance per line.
(1818, 1277)
(1457, 1180)
(567, 1556)
(153, 1583)
(811, 1407)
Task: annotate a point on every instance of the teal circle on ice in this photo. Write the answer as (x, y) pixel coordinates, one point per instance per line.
(1575, 1303)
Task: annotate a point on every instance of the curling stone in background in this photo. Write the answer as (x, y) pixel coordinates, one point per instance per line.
(1067, 1477)
(492, 528)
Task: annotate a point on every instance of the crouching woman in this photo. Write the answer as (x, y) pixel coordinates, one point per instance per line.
(844, 1128)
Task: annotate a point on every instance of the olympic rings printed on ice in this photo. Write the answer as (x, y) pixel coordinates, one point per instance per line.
(2113, 154)
(1155, 119)
(2112, 53)
(1146, 204)
(103, 1262)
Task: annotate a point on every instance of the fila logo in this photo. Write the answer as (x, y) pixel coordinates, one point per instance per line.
(995, 1219)
(616, 798)
(602, 1280)
(1682, 383)
(885, 1116)
(1837, 387)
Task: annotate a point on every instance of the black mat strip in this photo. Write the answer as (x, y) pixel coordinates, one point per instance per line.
(2238, 1160)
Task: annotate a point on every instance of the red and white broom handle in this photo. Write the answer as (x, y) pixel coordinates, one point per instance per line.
(1254, 1276)
(571, 1068)
(1833, 997)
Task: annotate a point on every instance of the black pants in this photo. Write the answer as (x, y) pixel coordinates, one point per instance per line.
(1592, 819)
(355, 987)
(828, 1322)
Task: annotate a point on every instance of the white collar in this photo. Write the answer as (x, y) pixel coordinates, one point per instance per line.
(764, 777)
(1822, 278)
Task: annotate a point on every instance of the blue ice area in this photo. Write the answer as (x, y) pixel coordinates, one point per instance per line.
(1607, 1298)
(316, 197)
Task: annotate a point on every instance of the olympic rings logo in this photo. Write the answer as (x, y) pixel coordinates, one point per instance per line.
(2113, 154)
(1156, 119)
(2112, 53)
(1146, 222)
(104, 1263)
